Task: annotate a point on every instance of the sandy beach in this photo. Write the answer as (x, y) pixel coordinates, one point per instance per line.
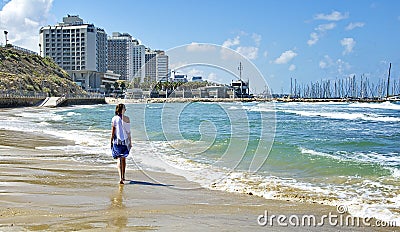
(39, 191)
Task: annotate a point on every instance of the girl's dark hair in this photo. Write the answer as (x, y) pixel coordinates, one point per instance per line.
(119, 108)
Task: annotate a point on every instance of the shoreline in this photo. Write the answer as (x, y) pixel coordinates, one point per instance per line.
(11, 102)
(43, 191)
(110, 100)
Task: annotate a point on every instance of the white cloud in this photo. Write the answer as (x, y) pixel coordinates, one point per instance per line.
(325, 27)
(195, 72)
(314, 39)
(348, 44)
(342, 66)
(265, 54)
(213, 77)
(339, 66)
(231, 42)
(352, 26)
(334, 16)
(250, 53)
(322, 64)
(196, 47)
(320, 31)
(256, 38)
(178, 65)
(285, 57)
(292, 67)
(23, 19)
(326, 62)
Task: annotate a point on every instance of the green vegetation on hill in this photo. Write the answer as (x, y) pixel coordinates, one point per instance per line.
(22, 72)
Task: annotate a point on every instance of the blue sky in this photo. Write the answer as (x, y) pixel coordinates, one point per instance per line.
(307, 40)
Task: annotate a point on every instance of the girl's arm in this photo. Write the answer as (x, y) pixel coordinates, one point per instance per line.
(112, 134)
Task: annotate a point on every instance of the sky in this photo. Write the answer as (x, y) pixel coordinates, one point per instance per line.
(307, 40)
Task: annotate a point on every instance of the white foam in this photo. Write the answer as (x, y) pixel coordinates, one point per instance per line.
(387, 160)
(72, 114)
(395, 172)
(43, 116)
(383, 105)
(345, 116)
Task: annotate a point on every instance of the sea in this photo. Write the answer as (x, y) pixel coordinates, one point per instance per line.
(340, 154)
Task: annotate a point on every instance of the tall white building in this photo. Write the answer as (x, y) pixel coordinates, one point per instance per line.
(156, 65)
(151, 65)
(139, 60)
(162, 66)
(79, 48)
(120, 55)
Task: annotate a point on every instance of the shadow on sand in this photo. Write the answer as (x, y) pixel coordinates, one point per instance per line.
(147, 183)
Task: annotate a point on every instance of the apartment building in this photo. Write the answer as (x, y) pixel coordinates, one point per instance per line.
(156, 65)
(120, 55)
(139, 60)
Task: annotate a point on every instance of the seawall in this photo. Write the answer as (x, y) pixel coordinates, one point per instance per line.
(83, 101)
(11, 102)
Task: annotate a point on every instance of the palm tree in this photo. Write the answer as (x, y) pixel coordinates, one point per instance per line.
(116, 85)
(108, 87)
(122, 85)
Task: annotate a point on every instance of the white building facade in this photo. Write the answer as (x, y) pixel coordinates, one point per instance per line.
(120, 55)
(151, 65)
(139, 60)
(156, 65)
(77, 47)
(162, 66)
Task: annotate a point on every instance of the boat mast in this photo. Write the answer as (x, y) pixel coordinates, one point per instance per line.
(388, 81)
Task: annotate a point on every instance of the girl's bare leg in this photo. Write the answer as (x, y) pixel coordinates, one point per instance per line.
(119, 166)
(123, 167)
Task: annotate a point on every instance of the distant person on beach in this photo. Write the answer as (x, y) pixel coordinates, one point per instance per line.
(121, 142)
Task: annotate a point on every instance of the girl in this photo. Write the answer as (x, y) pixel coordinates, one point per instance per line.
(121, 142)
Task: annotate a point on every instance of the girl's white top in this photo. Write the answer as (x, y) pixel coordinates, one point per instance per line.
(122, 129)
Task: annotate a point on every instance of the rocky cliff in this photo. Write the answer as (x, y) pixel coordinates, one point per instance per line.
(28, 73)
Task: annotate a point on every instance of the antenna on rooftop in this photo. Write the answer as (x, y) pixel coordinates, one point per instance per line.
(240, 68)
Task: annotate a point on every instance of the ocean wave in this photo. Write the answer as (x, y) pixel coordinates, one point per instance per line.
(386, 160)
(395, 172)
(72, 114)
(42, 116)
(345, 116)
(263, 108)
(159, 156)
(383, 105)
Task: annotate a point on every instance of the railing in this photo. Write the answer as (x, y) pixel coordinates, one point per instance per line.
(60, 100)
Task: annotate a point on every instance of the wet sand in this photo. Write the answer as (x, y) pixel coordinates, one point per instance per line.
(42, 190)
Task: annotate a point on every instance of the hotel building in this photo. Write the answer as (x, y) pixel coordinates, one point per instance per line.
(77, 47)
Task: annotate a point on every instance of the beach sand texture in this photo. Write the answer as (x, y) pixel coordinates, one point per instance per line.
(40, 192)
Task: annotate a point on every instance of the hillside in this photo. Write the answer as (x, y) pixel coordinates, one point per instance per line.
(22, 72)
